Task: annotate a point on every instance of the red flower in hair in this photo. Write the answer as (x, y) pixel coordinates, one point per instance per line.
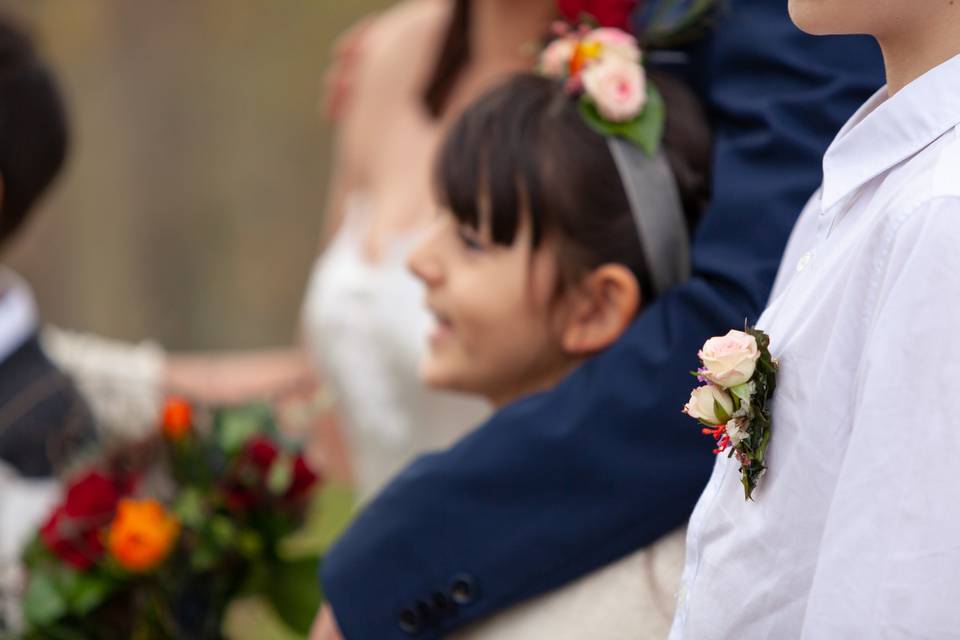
(73, 531)
(608, 13)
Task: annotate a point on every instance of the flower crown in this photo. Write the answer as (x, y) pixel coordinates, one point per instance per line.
(603, 66)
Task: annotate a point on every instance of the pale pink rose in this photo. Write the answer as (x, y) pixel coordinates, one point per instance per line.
(616, 43)
(701, 405)
(729, 360)
(618, 88)
(555, 59)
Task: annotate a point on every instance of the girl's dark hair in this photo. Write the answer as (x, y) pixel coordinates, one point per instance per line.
(524, 149)
(33, 128)
(451, 60)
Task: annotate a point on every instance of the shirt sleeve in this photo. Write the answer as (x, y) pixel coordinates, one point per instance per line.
(568, 481)
(890, 554)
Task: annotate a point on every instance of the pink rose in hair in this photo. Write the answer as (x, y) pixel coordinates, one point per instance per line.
(615, 42)
(618, 88)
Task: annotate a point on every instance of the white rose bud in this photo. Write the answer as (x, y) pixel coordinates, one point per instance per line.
(709, 404)
(729, 360)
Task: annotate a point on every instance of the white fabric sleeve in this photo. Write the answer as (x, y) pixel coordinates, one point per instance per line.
(121, 382)
(889, 565)
(24, 505)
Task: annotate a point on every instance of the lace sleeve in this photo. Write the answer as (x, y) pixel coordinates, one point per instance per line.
(121, 382)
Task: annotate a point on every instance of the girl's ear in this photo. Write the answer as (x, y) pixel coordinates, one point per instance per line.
(601, 307)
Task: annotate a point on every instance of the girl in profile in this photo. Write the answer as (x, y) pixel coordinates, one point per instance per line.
(564, 213)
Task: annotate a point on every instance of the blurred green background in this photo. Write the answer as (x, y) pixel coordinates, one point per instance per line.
(191, 206)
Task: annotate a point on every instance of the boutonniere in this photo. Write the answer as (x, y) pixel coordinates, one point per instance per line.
(740, 377)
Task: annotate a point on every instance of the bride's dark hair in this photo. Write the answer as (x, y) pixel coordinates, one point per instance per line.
(453, 57)
(524, 149)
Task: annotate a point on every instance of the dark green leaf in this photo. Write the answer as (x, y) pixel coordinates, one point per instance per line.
(720, 412)
(189, 507)
(88, 592)
(236, 425)
(223, 531)
(295, 592)
(43, 603)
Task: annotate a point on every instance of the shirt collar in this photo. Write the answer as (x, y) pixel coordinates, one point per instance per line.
(887, 131)
(18, 313)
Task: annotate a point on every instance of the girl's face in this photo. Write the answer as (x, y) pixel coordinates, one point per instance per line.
(496, 332)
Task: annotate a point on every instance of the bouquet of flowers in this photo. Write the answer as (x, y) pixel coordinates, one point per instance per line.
(739, 377)
(156, 542)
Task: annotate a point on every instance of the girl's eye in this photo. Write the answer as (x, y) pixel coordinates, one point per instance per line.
(470, 238)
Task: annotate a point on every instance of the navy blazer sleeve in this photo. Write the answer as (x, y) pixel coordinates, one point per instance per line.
(566, 481)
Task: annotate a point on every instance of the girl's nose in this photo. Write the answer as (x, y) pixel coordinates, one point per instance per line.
(424, 260)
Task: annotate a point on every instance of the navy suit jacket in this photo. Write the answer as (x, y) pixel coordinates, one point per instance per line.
(564, 482)
(44, 423)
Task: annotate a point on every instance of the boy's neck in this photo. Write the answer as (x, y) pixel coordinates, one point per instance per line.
(920, 45)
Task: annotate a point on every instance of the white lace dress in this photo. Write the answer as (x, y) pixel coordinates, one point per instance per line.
(366, 326)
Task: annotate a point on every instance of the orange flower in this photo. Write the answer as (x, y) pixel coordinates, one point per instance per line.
(177, 418)
(584, 53)
(142, 534)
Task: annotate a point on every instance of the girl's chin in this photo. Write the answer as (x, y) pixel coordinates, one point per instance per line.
(443, 376)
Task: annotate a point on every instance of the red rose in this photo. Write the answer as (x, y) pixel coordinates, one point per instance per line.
(608, 13)
(73, 530)
(246, 484)
(262, 453)
(303, 479)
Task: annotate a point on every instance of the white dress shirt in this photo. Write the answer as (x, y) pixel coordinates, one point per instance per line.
(18, 314)
(855, 530)
(24, 504)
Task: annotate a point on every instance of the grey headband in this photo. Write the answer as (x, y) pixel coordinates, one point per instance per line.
(657, 211)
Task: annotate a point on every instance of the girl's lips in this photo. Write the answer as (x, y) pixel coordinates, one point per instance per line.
(442, 330)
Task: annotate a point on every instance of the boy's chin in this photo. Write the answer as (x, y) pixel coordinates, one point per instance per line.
(827, 17)
(806, 19)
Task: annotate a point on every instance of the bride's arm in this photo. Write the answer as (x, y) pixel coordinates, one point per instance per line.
(228, 377)
(125, 383)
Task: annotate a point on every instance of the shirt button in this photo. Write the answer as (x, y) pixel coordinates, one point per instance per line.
(804, 261)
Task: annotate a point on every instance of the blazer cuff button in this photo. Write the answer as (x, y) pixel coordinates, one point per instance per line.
(410, 621)
(463, 589)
